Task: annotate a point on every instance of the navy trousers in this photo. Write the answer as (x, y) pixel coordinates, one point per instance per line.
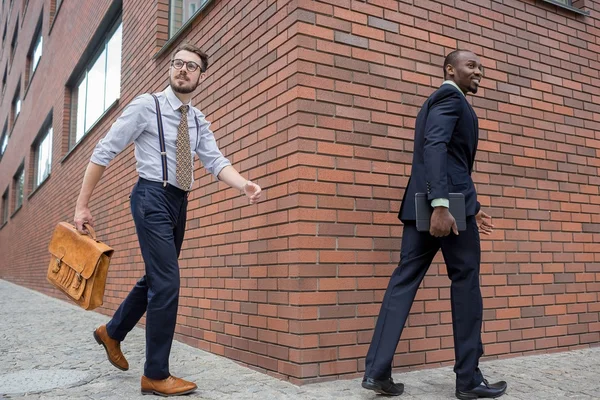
(462, 257)
(159, 214)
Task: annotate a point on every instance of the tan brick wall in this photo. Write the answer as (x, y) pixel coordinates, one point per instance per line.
(316, 101)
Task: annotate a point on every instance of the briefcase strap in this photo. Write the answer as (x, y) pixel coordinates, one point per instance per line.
(90, 230)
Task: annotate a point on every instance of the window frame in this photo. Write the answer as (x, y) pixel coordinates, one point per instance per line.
(29, 67)
(4, 79)
(5, 32)
(13, 106)
(47, 130)
(5, 207)
(54, 5)
(568, 6)
(177, 35)
(14, 42)
(4, 136)
(74, 88)
(24, 10)
(568, 2)
(186, 23)
(16, 182)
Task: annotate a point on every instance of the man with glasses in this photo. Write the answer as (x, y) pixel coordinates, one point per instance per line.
(166, 130)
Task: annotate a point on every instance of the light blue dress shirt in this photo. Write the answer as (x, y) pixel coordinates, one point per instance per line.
(138, 124)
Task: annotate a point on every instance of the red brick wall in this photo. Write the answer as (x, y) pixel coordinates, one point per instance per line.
(315, 101)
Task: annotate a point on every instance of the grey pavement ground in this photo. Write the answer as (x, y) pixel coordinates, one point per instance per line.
(47, 352)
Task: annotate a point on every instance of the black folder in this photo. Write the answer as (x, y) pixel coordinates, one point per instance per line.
(423, 210)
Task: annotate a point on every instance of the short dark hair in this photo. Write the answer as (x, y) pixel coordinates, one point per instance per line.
(193, 49)
(451, 59)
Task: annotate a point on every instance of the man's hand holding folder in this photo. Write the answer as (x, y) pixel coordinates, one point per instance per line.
(440, 221)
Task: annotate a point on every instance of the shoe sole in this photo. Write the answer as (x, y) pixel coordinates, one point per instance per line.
(474, 396)
(378, 390)
(100, 342)
(154, 392)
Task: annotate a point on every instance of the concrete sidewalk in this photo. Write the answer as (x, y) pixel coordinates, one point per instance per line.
(47, 352)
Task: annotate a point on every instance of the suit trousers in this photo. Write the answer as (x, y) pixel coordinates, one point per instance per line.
(462, 256)
(159, 214)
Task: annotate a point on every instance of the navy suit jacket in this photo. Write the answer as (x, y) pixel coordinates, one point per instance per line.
(446, 135)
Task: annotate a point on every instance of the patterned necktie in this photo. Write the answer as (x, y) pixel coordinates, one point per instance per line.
(183, 154)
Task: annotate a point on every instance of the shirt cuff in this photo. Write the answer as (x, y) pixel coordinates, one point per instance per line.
(216, 170)
(440, 203)
(100, 159)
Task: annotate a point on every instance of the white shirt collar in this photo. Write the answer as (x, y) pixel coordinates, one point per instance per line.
(449, 82)
(173, 99)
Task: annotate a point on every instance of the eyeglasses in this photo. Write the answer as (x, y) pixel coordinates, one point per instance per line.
(189, 65)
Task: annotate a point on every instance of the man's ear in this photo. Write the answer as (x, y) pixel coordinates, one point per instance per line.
(450, 70)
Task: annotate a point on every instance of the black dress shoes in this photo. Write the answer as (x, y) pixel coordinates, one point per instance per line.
(385, 386)
(484, 390)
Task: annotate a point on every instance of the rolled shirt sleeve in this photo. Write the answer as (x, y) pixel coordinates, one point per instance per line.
(124, 131)
(209, 154)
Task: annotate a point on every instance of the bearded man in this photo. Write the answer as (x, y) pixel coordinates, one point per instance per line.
(166, 130)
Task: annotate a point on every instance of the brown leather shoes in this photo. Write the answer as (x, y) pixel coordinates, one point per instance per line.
(112, 347)
(167, 387)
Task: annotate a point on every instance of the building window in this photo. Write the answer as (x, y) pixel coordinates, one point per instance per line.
(182, 11)
(25, 4)
(19, 184)
(5, 207)
(16, 105)
(4, 140)
(43, 157)
(54, 7)
(4, 79)
(99, 87)
(568, 5)
(35, 52)
(13, 43)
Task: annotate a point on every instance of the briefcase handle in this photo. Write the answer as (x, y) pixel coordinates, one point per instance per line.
(90, 230)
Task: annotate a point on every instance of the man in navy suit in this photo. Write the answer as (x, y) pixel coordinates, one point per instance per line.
(446, 135)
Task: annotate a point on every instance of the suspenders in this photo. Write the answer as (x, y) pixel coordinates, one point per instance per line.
(161, 138)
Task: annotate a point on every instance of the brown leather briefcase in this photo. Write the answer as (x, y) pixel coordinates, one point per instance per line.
(79, 265)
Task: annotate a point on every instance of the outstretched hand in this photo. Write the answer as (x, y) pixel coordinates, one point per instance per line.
(484, 223)
(252, 191)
